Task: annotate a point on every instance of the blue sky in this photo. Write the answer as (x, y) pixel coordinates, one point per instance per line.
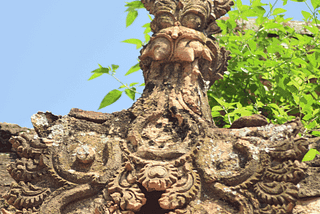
(49, 48)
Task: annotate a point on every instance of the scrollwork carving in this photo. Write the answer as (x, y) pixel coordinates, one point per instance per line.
(288, 171)
(27, 169)
(124, 190)
(26, 196)
(276, 192)
(183, 191)
(30, 147)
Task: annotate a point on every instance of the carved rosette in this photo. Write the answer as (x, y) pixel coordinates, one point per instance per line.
(158, 176)
(177, 179)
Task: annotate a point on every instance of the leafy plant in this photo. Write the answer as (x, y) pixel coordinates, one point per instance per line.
(274, 70)
(130, 90)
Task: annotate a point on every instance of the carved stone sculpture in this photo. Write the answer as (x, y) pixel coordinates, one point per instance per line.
(164, 154)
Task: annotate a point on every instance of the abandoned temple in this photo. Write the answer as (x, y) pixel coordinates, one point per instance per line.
(164, 155)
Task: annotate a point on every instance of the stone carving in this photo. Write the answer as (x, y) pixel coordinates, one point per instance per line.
(164, 154)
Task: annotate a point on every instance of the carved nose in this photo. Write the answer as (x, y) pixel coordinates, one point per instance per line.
(158, 172)
(175, 33)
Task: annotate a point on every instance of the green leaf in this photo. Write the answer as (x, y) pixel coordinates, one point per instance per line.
(215, 114)
(216, 108)
(133, 84)
(220, 101)
(260, 11)
(272, 26)
(135, 4)
(278, 11)
(306, 15)
(308, 116)
(131, 94)
(133, 69)
(114, 67)
(313, 29)
(146, 38)
(101, 70)
(136, 42)
(110, 98)
(95, 75)
(123, 86)
(252, 45)
(311, 154)
(148, 28)
(311, 125)
(315, 3)
(316, 133)
(132, 15)
(286, 20)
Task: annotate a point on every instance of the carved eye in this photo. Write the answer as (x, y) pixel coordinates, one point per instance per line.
(164, 20)
(191, 20)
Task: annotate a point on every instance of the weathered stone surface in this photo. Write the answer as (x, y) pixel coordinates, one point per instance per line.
(97, 117)
(307, 206)
(7, 130)
(249, 121)
(164, 155)
(5, 178)
(310, 185)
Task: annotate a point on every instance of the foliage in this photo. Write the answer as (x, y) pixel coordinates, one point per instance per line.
(311, 154)
(130, 90)
(274, 70)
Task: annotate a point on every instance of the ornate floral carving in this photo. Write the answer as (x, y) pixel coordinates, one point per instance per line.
(166, 144)
(157, 176)
(124, 190)
(183, 191)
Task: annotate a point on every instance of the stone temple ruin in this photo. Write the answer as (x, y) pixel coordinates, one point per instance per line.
(164, 154)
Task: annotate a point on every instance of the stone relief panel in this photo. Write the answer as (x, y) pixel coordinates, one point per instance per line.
(164, 154)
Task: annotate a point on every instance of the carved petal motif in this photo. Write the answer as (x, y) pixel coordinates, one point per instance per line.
(124, 190)
(276, 192)
(157, 176)
(24, 195)
(182, 192)
(288, 171)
